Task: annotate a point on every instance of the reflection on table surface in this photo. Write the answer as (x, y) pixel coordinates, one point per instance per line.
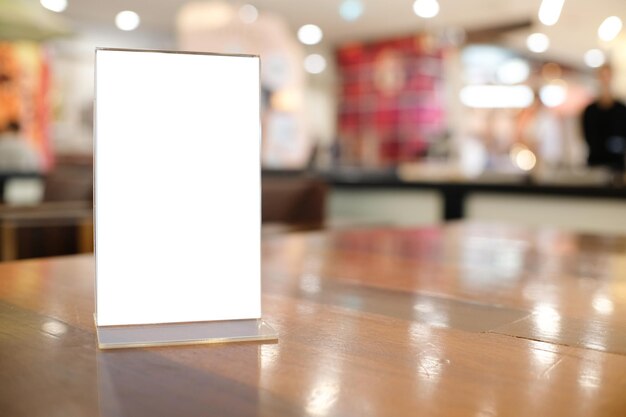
(466, 319)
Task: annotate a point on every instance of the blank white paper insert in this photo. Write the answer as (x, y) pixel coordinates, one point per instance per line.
(177, 187)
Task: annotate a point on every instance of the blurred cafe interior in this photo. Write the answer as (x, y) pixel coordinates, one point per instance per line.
(374, 113)
(415, 116)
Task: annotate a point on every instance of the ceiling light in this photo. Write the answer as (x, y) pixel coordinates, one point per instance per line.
(127, 20)
(538, 42)
(497, 96)
(248, 13)
(553, 94)
(314, 64)
(610, 28)
(54, 5)
(310, 34)
(594, 58)
(550, 11)
(351, 10)
(426, 8)
(513, 71)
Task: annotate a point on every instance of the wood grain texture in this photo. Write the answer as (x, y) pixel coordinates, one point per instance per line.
(385, 322)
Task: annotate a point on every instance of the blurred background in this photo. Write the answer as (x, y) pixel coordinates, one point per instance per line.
(402, 112)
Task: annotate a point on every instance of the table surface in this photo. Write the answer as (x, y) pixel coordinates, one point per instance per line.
(462, 320)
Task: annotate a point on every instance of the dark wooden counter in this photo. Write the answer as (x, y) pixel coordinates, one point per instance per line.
(454, 193)
(464, 320)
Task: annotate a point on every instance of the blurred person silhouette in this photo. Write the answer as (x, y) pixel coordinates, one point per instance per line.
(540, 130)
(604, 126)
(16, 155)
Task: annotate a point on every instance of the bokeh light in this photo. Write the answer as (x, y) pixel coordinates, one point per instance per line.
(310, 34)
(127, 20)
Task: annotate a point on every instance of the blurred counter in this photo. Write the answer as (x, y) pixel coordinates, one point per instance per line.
(383, 197)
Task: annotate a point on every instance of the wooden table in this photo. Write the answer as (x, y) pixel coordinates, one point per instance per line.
(464, 320)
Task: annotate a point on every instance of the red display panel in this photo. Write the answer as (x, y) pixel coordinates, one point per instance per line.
(390, 100)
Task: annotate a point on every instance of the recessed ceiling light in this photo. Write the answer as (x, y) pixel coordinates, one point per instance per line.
(610, 28)
(127, 20)
(314, 64)
(248, 13)
(426, 8)
(550, 11)
(310, 34)
(538, 42)
(351, 10)
(54, 5)
(594, 58)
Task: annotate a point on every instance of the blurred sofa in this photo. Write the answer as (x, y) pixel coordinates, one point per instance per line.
(295, 200)
(62, 223)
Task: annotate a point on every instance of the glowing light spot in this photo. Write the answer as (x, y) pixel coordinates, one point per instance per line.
(538, 42)
(54, 328)
(54, 5)
(513, 71)
(248, 13)
(610, 28)
(550, 11)
(426, 9)
(603, 305)
(553, 94)
(594, 58)
(351, 10)
(310, 34)
(547, 319)
(314, 64)
(127, 20)
(496, 96)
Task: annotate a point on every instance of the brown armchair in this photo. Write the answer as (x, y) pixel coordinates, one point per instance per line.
(298, 201)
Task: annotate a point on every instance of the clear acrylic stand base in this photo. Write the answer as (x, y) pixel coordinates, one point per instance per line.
(112, 337)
